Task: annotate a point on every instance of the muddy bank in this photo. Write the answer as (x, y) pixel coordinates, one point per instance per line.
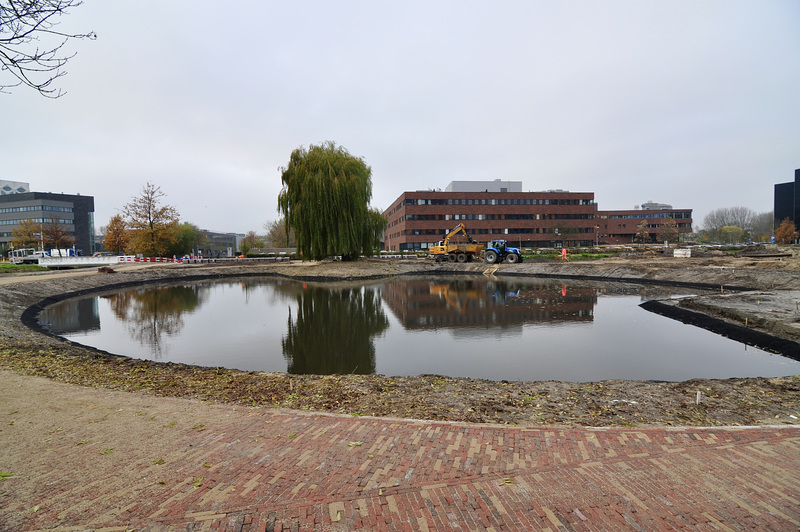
(721, 402)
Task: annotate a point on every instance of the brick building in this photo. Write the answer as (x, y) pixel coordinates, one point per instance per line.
(624, 227)
(552, 218)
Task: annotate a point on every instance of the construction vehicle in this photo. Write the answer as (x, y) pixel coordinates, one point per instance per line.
(499, 251)
(456, 252)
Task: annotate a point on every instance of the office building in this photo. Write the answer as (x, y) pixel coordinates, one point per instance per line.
(552, 218)
(787, 200)
(74, 212)
(628, 226)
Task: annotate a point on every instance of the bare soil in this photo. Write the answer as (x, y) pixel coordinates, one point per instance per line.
(759, 290)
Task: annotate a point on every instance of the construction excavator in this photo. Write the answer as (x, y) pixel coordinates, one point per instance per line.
(456, 251)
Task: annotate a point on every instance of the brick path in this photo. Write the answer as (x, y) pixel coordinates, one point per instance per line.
(94, 459)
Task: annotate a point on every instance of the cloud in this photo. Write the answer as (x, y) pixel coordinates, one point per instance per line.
(689, 103)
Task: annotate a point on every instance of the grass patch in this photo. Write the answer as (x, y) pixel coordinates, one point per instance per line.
(10, 267)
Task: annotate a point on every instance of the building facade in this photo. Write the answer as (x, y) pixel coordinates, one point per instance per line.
(640, 225)
(787, 200)
(497, 185)
(553, 218)
(13, 187)
(417, 220)
(74, 212)
(220, 244)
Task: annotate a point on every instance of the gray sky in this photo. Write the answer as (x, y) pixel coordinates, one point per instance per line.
(695, 103)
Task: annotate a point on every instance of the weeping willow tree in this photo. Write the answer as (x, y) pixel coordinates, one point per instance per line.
(325, 199)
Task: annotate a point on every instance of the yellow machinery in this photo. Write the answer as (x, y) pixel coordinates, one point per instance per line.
(456, 252)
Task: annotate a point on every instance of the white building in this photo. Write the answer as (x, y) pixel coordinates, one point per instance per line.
(13, 187)
(498, 185)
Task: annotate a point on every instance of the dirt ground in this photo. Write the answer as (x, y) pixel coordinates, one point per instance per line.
(759, 289)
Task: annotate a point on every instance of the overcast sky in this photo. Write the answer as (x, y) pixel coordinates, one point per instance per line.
(694, 103)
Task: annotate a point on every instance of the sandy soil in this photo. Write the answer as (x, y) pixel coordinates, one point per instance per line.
(761, 291)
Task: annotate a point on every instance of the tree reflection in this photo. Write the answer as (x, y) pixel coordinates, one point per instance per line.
(153, 313)
(333, 330)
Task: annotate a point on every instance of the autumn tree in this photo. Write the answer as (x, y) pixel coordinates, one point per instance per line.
(153, 226)
(56, 235)
(116, 235)
(32, 49)
(278, 236)
(251, 240)
(669, 230)
(325, 199)
(786, 233)
(643, 232)
(24, 234)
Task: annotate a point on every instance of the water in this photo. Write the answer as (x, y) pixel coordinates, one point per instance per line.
(524, 329)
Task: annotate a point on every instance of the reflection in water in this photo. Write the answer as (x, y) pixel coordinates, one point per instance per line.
(75, 315)
(150, 314)
(507, 305)
(519, 328)
(332, 331)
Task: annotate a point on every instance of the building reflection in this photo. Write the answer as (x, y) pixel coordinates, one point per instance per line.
(71, 316)
(459, 303)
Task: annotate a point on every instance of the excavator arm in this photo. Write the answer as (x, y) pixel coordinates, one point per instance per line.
(460, 228)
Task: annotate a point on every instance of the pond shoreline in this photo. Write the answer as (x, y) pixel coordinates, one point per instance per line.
(608, 403)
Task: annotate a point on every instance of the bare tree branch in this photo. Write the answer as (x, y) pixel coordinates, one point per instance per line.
(31, 49)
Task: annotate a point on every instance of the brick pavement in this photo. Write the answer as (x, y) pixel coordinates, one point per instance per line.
(101, 460)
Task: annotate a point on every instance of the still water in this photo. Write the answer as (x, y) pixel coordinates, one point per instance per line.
(523, 329)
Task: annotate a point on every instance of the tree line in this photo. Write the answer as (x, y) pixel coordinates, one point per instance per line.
(730, 225)
(29, 234)
(324, 205)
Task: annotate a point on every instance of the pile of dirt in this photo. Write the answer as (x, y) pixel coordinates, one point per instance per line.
(610, 403)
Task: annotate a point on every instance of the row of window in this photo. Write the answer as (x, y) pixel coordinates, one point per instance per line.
(528, 216)
(38, 221)
(676, 215)
(29, 208)
(654, 226)
(495, 231)
(428, 217)
(513, 230)
(495, 201)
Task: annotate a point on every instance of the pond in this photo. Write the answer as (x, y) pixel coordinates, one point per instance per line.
(520, 329)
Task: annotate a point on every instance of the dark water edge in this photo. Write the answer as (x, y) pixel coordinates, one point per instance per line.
(757, 339)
